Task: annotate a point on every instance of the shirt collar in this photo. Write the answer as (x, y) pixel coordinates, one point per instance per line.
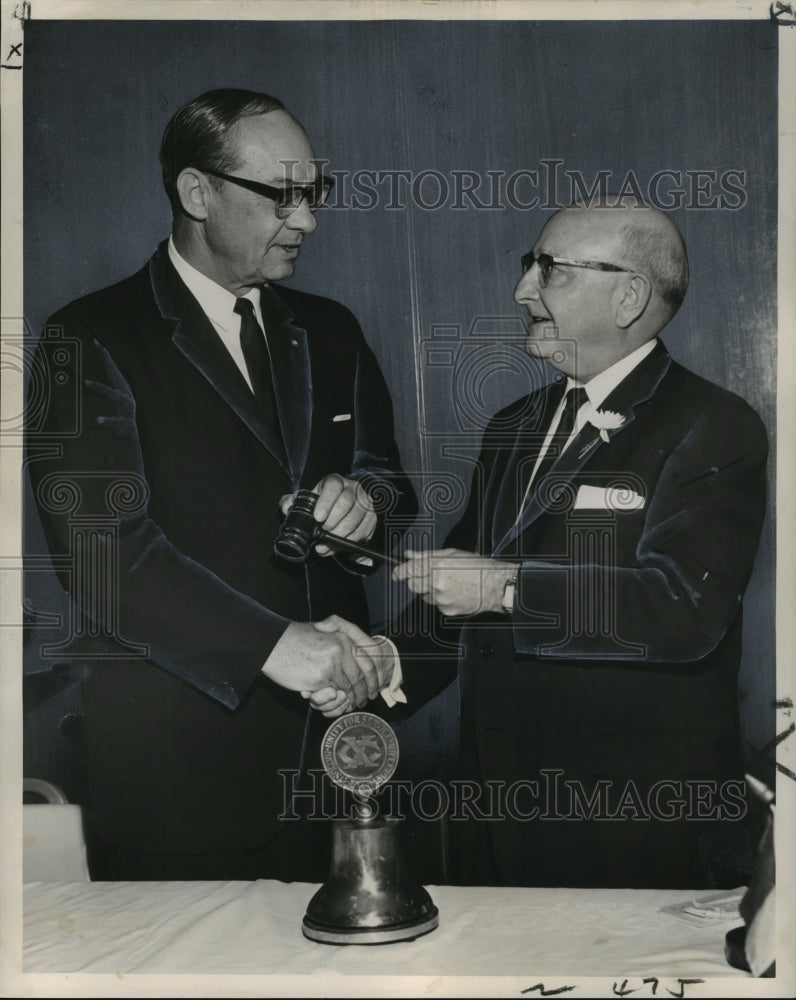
(216, 302)
(601, 386)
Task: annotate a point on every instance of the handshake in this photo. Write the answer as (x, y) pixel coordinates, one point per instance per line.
(333, 663)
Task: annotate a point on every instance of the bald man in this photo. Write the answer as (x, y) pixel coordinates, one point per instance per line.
(599, 569)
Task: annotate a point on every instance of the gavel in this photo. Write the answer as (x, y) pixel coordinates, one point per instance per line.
(300, 531)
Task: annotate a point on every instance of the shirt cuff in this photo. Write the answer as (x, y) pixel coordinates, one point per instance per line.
(393, 693)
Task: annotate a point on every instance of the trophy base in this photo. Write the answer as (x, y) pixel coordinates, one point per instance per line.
(371, 935)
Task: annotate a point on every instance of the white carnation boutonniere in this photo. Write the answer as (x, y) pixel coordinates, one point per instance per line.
(606, 420)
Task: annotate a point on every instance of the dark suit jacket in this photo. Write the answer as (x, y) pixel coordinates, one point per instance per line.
(620, 661)
(177, 472)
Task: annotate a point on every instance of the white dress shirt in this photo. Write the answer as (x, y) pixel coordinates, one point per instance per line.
(597, 389)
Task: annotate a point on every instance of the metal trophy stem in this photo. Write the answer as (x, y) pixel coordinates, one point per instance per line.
(369, 896)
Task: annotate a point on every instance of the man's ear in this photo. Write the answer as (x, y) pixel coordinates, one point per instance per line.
(633, 299)
(192, 189)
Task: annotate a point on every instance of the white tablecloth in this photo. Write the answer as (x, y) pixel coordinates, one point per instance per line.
(255, 928)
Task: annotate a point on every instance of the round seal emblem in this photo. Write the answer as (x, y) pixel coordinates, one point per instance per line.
(360, 752)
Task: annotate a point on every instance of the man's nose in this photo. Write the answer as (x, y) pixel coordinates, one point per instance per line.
(301, 218)
(528, 285)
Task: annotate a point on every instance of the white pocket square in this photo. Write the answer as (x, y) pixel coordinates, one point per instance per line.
(339, 417)
(617, 497)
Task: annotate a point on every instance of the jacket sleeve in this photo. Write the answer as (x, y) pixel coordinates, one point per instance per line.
(674, 601)
(90, 486)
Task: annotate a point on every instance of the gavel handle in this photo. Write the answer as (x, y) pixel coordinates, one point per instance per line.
(326, 537)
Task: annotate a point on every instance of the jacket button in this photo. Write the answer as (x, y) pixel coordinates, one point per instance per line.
(487, 650)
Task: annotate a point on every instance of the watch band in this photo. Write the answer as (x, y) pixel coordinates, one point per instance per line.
(509, 592)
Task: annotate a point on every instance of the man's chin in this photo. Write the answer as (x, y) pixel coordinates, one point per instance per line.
(561, 354)
(278, 272)
(541, 347)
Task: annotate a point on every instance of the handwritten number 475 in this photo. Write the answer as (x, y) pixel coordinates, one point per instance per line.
(618, 990)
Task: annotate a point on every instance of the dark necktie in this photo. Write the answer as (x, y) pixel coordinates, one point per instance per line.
(258, 362)
(575, 397)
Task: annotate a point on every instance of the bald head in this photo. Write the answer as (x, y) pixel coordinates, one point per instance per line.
(641, 238)
(610, 276)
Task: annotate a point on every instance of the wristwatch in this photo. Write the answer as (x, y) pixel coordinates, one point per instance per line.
(509, 591)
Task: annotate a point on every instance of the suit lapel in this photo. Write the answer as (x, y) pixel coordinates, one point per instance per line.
(290, 356)
(195, 337)
(637, 388)
(530, 437)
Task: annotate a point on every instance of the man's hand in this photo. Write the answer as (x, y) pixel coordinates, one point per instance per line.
(332, 702)
(344, 508)
(458, 582)
(309, 658)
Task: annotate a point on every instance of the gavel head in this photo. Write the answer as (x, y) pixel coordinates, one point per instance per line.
(299, 529)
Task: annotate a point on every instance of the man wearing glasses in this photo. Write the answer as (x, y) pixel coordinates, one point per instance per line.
(208, 397)
(614, 517)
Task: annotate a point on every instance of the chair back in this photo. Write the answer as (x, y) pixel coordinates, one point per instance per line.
(54, 847)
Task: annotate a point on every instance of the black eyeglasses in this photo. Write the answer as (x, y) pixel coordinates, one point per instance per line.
(288, 198)
(547, 261)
